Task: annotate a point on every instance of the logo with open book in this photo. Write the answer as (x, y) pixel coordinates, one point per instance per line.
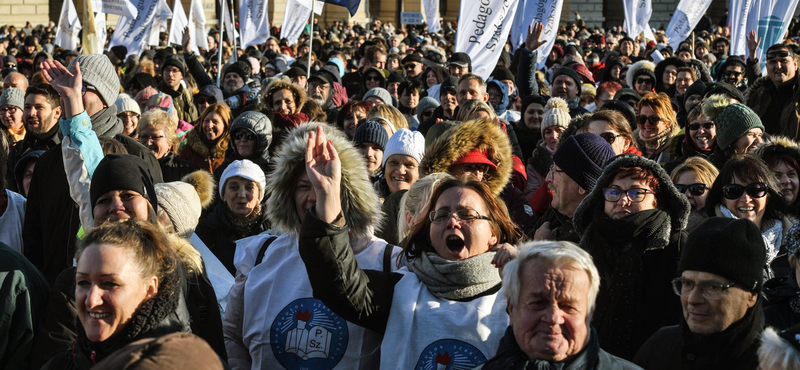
(306, 334)
(450, 354)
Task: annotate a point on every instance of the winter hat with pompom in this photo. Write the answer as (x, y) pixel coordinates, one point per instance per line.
(184, 200)
(556, 113)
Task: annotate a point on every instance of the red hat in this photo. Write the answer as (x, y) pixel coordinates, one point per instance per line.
(520, 175)
(475, 157)
(583, 72)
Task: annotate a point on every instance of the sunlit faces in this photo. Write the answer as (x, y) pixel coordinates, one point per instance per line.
(39, 116)
(567, 194)
(245, 142)
(787, 177)
(241, 196)
(372, 79)
(682, 82)
(400, 172)
(564, 87)
(650, 124)
(172, 76)
(460, 239)
(626, 204)
(702, 132)
(109, 289)
(602, 128)
(120, 205)
(551, 135)
(373, 154)
(781, 66)
(155, 140)
(130, 121)
(410, 98)
(11, 117)
(470, 89)
(747, 206)
(283, 102)
(706, 316)
(670, 75)
(304, 195)
(351, 122)
(232, 82)
(748, 143)
(549, 319)
(689, 179)
(533, 116)
(213, 126)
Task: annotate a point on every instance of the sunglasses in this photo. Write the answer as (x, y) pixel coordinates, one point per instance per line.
(651, 120)
(372, 78)
(200, 101)
(610, 137)
(244, 134)
(694, 189)
(644, 81)
(696, 126)
(410, 66)
(754, 190)
(733, 73)
(778, 54)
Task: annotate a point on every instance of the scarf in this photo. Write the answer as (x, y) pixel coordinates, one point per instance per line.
(652, 144)
(105, 123)
(244, 226)
(772, 233)
(511, 357)
(456, 280)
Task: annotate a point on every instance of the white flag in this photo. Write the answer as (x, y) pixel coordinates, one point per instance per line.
(230, 30)
(483, 27)
(432, 15)
(102, 29)
(134, 33)
(548, 12)
(253, 22)
(197, 19)
(125, 8)
(737, 23)
(179, 23)
(69, 24)
(684, 20)
(163, 14)
(517, 33)
(295, 17)
(637, 16)
(770, 19)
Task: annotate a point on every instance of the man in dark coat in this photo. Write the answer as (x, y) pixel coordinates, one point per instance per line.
(721, 272)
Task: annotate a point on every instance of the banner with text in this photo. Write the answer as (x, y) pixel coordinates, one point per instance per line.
(253, 22)
(637, 16)
(483, 27)
(432, 15)
(737, 23)
(125, 8)
(770, 19)
(134, 33)
(684, 20)
(163, 14)
(69, 24)
(295, 17)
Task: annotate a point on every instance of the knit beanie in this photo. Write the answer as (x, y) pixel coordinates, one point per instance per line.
(569, 72)
(556, 113)
(184, 200)
(160, 101)
(98, 72)
(381, 94)
(144, 96)
(176, 61)
(126, 104)
(13, 96)
(238, 69)
(733, 122)
(406, 142)
(122, 172)
(582, 157)
(371, 132)
(731, 248)
(645, 71)
(246, 170)
(425, 103)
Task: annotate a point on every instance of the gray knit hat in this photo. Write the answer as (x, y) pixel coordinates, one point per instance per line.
(425, 103)
(126, 104)
(556, 113)
(380, 93)
(733, 122)
(184, 200)
(98, 72)
(13, 96)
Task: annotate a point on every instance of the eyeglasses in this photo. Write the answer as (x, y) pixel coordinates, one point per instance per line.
(238, 135)
(694, 189)
(410, 66)
(651, 120)
(86, 88)
(466, 215)
(644, 81)
(146, 138)
(754, 190)
(610, 137)
(312, 86)
(372, 78)
(636, 195)
(201, 101)
(10, 109)
(696, 126)
(778, 54)
(733, 73)
(475, 167)
(708, 290)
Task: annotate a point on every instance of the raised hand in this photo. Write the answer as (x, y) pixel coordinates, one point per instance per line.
(752, 43)
(324, 170)
(187, 39)
(534, 39)
(63, 81)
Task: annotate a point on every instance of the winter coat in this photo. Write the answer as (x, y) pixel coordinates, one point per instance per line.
(29, 143)
(51, 218)
(182, 100)
(783, 297)
(526, 73)
(263, 131)
(206, 156)
(528, 140)
(511, 357)
(677, 348)
(174, 168)
(11, 220)
(188, 350)
(24, 293)
(636, 256)
(220, 235)
(661, 154)
(561, 225)
(778, 108)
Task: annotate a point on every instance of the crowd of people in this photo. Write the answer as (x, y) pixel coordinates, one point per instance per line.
(623, 206)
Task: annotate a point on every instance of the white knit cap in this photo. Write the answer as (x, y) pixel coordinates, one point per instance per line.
(182, 204)
(556, 113)
(126, 104)
(247, 170)
(407, 142)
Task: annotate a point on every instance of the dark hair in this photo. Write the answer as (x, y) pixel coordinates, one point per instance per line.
(747, 169)
(48, 91)
(412, 85)
(349, 108)
(501, 224)
(617, 121)
(776, 160)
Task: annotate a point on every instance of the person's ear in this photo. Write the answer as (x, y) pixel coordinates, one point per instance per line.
(151, 287)
(582, 191)
(751, 299)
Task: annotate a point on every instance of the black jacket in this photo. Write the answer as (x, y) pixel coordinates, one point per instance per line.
(783, 297)
(29, 143)
(174, 168)
(560, 224)
(220, 236)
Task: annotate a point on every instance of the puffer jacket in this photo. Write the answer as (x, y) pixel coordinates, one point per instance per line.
(763, 98)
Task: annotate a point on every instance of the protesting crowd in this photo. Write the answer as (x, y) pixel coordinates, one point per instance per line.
(362, 199)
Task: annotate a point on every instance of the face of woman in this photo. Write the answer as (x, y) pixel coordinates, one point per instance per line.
(120, 205)
(688, 178)
(410, 100)
(155, 140)
(651, 128)
(213, 126)
(458, 240)
(551, 136)
(670, 75)
(702, 137)
(533, 116)
(481, 114)
(401, 171)
(787, 177)
(746, 206)
(431, 79)
(241, 196)
(245, 142)
(625, 206)
(748, 143)
(620, 143)
(351, 122)
(109, 289)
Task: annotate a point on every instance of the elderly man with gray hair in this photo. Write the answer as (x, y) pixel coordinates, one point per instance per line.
(551, 289)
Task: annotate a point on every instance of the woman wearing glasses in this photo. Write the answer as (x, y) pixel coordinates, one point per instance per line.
(445, 301)
(747, 188)
(693, 178)
(251, 135)
(613, 128)
(699, 139)
(157, 132)
(782, 156)
(657, 124)
(632, 223)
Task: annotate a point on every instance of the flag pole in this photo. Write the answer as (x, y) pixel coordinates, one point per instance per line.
(310, 42)
(234, 54)
(219, 43)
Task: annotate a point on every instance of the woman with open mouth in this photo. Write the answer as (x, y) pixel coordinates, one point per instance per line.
(657, 124)
(747, 188)
(782, 156)
(699, 139)
(739, 129)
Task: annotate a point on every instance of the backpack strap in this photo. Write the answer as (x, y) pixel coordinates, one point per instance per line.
(387, 257)
(263, 249)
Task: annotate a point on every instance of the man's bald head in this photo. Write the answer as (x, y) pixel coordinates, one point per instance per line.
(15, 79)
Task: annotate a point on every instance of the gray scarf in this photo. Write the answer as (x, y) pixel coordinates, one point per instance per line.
(105, 123)
(456, 280)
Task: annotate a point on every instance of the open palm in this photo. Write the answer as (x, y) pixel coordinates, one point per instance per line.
(323, 166)
(63, 81)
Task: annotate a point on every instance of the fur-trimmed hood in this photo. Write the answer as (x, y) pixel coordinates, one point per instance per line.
(670, 200)
(703, 73)
(360, 203)
(777, 146)
(481, 134)
(279, 84)
(635, 67)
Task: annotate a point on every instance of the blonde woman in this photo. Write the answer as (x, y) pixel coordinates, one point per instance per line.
(157, 132)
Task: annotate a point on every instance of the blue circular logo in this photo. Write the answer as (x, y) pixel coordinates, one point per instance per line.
(446, 354)
(306, 334)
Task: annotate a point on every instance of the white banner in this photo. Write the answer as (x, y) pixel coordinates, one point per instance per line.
(432, 15)
(295, 18)
(163, 14)
(125, 8)
(548, 12)
(517, 33)
(770, 19)
(637, 16)
(253, 22)
(134, 33)
(684, 20)
(737, 23)
(483, 27)
(178, 24)
(230, 30)
(102, 29)
(197, 19)
(69, 24)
